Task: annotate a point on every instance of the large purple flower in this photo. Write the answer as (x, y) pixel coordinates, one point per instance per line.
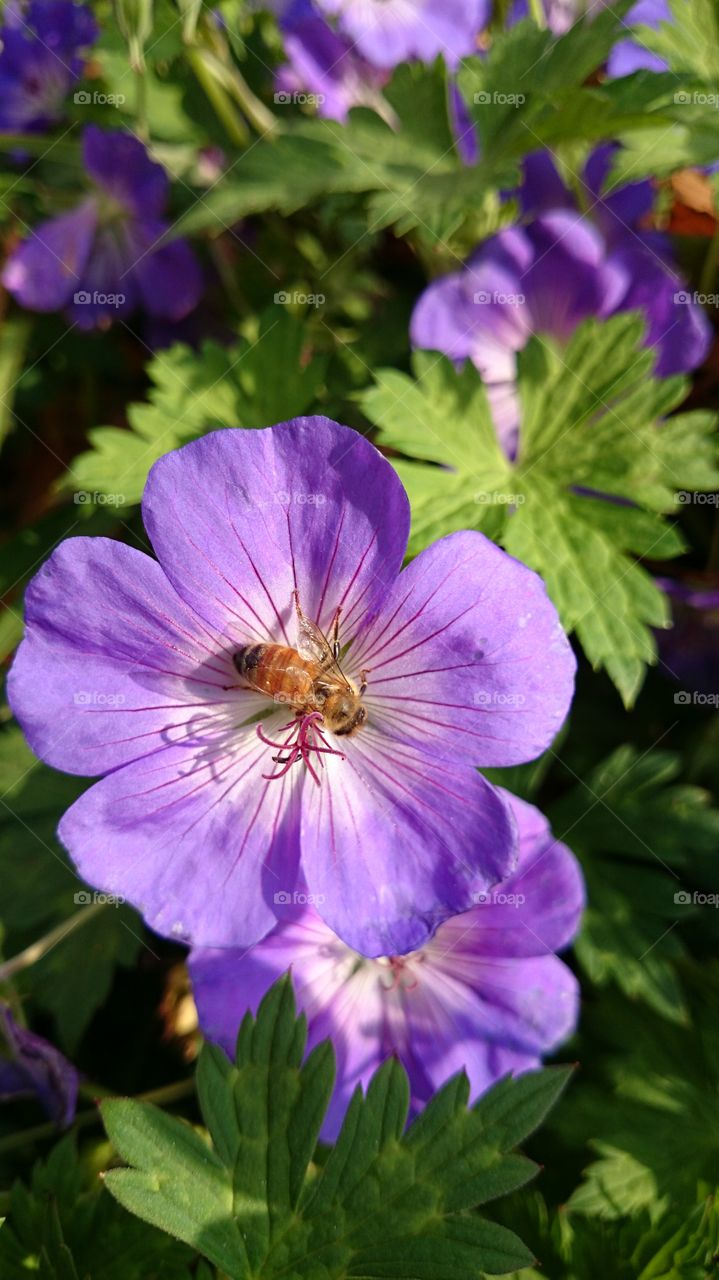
(553, 272)
(105, 258)
(35, 1068)
(387, 32)
(129, 668)
(39, 60)
(326, 65)
(486, 994)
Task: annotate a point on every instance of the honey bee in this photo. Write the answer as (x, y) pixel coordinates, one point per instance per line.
(309, 678)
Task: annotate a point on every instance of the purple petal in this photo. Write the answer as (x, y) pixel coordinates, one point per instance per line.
(37, 1068)
(326, 65)
(113, 664)
(405, 836)
(538, 908)
(118, 162)
(676, 325)
(200, 846)
(169, 278)
(387, 34)
(239, 519)
(46, 269)
(468, 656)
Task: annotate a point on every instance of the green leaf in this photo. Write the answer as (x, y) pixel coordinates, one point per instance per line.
(385, 1204)
(64, 1227)
(593, 422)
(191, 394)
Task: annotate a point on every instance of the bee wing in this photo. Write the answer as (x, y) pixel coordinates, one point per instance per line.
(313, 645)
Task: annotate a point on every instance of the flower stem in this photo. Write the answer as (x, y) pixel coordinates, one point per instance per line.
(537, 13)
(234, 124)
(36, 950)
(160, 1097)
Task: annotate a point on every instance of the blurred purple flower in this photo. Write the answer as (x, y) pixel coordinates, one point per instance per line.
(35, 1068)
(325, 65)
(486, 994)
(387, 32)
(40, 60)
(689, 650)
(550, 274)
(104, 259)
(127, 669)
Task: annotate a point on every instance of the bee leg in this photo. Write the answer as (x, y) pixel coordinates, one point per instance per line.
(363, 682)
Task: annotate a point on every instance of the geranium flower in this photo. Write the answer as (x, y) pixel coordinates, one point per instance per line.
(104, 258)
(387, 32)
(548, 275)
(40, 60)
(486, 994)
(326, 65)
(217, 797)
(33, 1067)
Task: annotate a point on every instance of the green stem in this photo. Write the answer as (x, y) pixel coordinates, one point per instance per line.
(160, 1097)
(536, 10)
(234, 124)
(256, 111)
(141, 122)
(36, 950)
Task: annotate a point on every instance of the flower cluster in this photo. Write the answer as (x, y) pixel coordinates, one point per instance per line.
(217, 818)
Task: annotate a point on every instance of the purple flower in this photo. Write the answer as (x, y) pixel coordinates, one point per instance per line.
(34, 1068)
(387, 32)
(218, 797)
(104, 258)
(486, 994)
(552, 273)
(326, 65)
(689, 651)
(39, 61)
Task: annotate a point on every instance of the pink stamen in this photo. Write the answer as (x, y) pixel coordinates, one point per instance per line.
(304, 739)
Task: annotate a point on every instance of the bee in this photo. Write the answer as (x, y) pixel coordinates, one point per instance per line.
(309, 678)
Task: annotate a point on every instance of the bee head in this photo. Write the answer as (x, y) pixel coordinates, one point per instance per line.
(344, 713)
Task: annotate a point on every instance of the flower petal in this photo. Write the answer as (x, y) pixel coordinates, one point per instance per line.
(119, 163)
(199, 847)
(538, 909)
(113, 664)
(46, 269)
(239, 519)
(468, 656)
(393, 842)
(169, 278)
